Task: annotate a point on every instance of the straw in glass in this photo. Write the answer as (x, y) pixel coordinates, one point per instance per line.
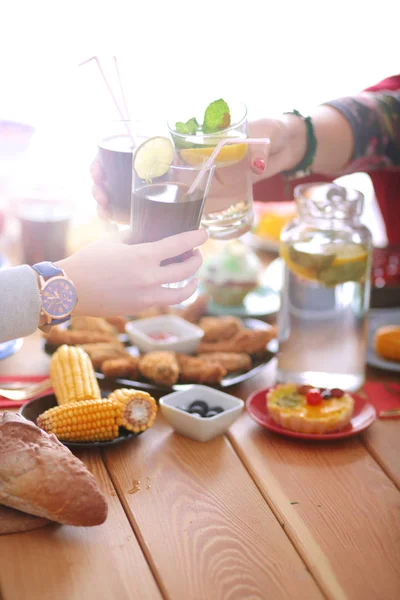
(216, 151)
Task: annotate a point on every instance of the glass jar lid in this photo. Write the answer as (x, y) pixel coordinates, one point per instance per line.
(328, 201)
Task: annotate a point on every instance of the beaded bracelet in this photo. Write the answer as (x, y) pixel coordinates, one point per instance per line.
(303, 168)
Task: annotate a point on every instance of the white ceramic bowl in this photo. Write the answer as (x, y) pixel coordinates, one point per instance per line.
(195, 427)
(188, 335)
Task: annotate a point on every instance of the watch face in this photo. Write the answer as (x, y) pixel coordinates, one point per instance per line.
(58, 298)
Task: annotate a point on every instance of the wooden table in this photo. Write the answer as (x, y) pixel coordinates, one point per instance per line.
(249, 515)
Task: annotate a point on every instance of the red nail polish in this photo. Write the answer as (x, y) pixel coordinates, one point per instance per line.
(259, 164)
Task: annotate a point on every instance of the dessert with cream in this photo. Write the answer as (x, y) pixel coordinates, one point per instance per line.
(231, 273)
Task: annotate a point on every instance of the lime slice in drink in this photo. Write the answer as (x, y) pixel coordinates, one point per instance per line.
(153, 158)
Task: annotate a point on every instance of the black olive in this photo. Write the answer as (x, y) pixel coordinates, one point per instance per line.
(197, 411)
(198, 403)
(326, 395)
(212, 413)
(337, 392)
(216, 409)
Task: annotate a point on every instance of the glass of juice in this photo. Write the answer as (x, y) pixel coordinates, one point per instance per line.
(161, 203)
(118, 139)
(228, 211)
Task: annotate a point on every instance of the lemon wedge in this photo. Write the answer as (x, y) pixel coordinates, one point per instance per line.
(153, 158)
(228, 155)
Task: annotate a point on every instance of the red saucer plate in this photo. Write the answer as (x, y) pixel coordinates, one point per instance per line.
(364, 415)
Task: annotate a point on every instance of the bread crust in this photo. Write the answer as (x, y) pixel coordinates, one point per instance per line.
(41, 476)
(15, 521)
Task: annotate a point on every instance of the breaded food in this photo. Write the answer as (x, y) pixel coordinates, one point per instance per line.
(194, 311)
(219, 328)
(196, 370)
(231, 361)
(160, 367)
(153, 311)
(99, 353)
(248, 341)
(118, 322)
(92, 324)
(58, 336)
(124, 366)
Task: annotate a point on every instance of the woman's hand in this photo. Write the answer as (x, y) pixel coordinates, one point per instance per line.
(287, 144)
(113, 278)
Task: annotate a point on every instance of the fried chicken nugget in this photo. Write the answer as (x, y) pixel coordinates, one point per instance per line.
(160, 367)
(194, 311)
(197, 370)
(101, 352)
(118, 322)
(219, 328)
(248, 341)
(59, 336)
(231, 361)
(125, 366)
(92, 324)
(153, 311)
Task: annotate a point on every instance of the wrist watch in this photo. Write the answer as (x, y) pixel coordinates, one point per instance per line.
(57, 293)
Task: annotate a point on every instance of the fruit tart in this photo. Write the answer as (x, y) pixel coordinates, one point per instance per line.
(306, 409)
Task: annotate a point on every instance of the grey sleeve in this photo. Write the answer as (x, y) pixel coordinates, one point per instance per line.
(19, 302)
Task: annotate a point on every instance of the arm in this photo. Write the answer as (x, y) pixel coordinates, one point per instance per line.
(353, 134)
(19, 302)
(111, 279)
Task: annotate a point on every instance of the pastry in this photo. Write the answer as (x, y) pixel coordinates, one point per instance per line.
(309, 410)
(231, 361)
(230, 274)
(249, 341)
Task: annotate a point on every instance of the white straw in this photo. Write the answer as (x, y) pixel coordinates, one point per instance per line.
(217, 148)
(121, 114)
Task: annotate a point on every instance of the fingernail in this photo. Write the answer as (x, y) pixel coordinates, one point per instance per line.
(259, 164)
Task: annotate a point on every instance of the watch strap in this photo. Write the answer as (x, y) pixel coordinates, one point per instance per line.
(47, 270)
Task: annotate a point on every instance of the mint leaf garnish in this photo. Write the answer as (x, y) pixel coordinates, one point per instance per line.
(188, 128)
(216, 117)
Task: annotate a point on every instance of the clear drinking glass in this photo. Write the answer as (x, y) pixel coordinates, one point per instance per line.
(115, 148)
(228, 211)
(325, 297)
(163, 207)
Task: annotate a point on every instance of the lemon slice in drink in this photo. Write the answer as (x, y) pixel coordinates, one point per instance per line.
(153, 158)
(228, 155)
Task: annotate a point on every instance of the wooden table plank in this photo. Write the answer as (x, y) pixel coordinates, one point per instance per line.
(204, 526)
(338, 507)
(72, 563)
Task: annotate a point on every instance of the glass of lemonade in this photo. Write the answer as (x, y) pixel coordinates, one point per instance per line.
(325, 297)
(228, 211)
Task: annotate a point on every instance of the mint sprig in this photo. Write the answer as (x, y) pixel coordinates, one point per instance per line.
(216, 117)
(189, 128)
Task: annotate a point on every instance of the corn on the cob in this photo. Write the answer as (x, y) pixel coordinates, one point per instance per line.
(138, 410)
(86, 421)
(72, 375)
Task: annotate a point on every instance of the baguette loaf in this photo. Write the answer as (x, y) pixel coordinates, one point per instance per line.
(15, 521)
(40, 476)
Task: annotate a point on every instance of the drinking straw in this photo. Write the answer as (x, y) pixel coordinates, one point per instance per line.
(121, 87)
(121, 114)
(216, 151)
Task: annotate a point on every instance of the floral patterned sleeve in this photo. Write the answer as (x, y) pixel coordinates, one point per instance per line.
(375, 120)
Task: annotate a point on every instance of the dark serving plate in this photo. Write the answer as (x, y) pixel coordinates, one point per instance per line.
(36, 407)
(229, 380)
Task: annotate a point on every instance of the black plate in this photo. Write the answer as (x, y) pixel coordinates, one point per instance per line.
(31, 410)
(229, 379)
